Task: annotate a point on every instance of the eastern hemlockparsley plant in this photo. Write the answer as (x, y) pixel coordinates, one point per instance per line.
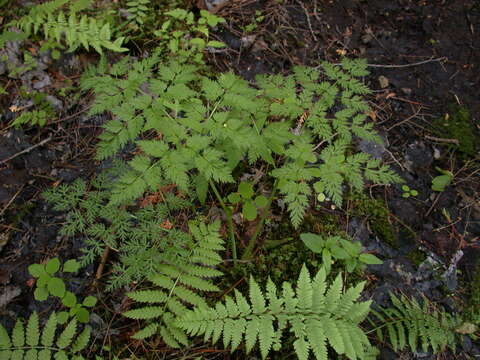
(194, 130)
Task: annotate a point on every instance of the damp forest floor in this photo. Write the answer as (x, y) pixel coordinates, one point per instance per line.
(424, 63)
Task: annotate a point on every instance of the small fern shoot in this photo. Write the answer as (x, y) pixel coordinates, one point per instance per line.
(31, 343)
(316, 313)
(182, 276)
(72, 29)
(411, 324)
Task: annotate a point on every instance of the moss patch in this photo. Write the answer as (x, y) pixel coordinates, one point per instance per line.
(457, 124)
(377, 214)
(416, 256)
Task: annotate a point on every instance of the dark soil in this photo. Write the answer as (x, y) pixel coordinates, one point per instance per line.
(424, 61)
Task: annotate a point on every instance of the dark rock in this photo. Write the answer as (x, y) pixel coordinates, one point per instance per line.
(418, 156)
(372, 148)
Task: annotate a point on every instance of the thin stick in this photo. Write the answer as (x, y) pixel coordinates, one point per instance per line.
(228, 214)
(11, 200)
(308, 19)
(408, 65)
(103, 261)
(251, 244)
(43, 142)
(405, 120)
(450, 141)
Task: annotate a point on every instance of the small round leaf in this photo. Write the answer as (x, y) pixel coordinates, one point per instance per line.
(37, 270)
(249, 211)
(69, 300)
(43, 280)
(56, 287)
(234, 198)
(90, 301)
(246, 190)
(62, 317)
(71, 266)
(41, 294)
(83, 315)
(53, 265)
(261, 201)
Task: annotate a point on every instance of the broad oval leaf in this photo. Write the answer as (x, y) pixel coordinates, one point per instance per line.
(313, 241)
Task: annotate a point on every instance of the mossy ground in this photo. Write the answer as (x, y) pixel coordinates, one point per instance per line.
(378, 216)
(457, 124)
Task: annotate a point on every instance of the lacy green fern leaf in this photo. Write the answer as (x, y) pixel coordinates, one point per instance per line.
(184, 273)
(316, 313)
(301, 125)
(74, 30)
(31, 343)
(411, 324)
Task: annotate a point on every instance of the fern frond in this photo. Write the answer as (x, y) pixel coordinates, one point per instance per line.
(75, 31)
(408, 323)
(188, 270)
(263, 319)
(29, 343)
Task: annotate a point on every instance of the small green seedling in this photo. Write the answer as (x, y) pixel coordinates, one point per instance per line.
(407, 192)
(188, 37)
(254, 24)
(337, 248)
(250, 205)
(440, 182)
(48, 284)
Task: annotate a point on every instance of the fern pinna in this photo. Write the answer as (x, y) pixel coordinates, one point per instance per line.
(195, 130)
(185, 272)
(71, 28)
(29, 343)
(409, 323)
(317, 314)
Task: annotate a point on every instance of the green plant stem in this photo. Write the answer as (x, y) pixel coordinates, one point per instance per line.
(251, 243)
(229, 215)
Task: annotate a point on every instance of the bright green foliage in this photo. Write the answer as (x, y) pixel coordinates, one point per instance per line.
(187, 35)
(184, 272)
(35, 117)
(440, 182)
(206, 127)
(32, 343)
(139, 236)
(244, 196)
(318, 314)
(407, 192)
(411, 324)
(138, 10)
(47, 284)
(333, 248)
(72, 29)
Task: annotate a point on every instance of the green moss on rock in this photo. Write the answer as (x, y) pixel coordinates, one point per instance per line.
(457, 124)
(377, 215)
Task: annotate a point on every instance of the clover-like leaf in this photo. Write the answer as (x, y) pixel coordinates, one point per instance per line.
(83, 315)
(52, 266)
(234, 198)
(56, 287)
(90, 301)
(69, 300)
(71, 266)
(246, 190)
(261, 201)
(249, 211)
(41, 293)
(37, 270)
